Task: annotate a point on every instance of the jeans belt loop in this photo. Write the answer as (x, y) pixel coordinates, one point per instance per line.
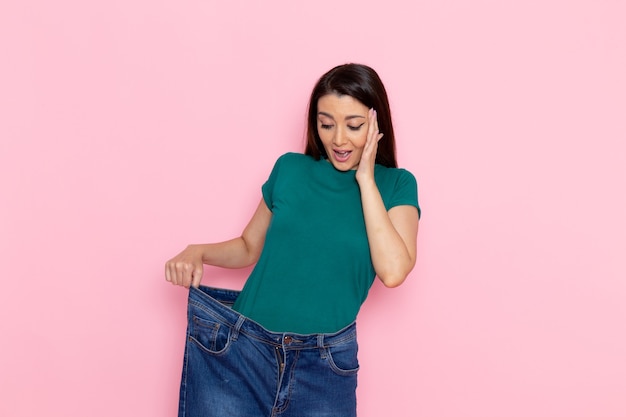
(320, 345)
(237, 327)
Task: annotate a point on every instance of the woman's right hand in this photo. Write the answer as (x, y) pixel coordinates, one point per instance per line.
(186, 268)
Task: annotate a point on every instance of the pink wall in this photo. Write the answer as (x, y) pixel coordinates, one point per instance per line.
(130, 128)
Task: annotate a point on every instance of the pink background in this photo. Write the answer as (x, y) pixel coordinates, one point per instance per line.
(131, 128)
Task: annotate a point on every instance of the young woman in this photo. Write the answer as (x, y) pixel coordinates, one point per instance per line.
(330, 221)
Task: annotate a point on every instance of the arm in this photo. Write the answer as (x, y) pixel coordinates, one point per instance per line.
(186, 268)
(392, 235)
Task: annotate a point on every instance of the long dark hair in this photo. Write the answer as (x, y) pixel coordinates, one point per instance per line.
(362, 83)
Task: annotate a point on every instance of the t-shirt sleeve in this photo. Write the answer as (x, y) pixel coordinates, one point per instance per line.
(268, 187)
(405, 192)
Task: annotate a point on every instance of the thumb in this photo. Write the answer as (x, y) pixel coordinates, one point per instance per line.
(196, 276)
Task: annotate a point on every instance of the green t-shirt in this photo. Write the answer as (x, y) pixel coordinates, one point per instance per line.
(315, 269)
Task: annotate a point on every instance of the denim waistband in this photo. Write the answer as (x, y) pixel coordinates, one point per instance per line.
(218, 303)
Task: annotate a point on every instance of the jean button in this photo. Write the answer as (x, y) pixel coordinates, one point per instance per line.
(287, 340)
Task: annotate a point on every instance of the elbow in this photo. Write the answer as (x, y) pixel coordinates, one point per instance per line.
(252, 252)
(392, 280)
(393, 271)
(253, 257)
(395, 276)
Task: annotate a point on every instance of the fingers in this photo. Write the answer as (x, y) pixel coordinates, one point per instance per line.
(373, 135)
(196, 278)
(365, 169)
(372, 125)
(183, 272)
(374, 119)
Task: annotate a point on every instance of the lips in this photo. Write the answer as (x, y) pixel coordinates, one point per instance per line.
(341, 156)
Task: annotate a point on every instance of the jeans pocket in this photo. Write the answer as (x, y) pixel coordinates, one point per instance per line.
(342, 358)
(211, 335)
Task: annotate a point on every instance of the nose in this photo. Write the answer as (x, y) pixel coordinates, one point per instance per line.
(339, 138)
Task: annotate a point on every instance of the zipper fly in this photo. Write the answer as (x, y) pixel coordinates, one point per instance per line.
(280, 358)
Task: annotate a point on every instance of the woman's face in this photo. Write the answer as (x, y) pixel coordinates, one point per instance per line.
(342, 126)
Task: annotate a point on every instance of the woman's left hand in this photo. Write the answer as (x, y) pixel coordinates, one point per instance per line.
(365, 169)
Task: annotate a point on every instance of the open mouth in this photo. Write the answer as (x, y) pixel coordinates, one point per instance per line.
(342, 156)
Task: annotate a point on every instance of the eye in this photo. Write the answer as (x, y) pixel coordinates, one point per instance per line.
(327, 127)
(355, 128)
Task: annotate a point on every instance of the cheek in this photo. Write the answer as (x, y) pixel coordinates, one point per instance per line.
(359, 139)
(324, 134)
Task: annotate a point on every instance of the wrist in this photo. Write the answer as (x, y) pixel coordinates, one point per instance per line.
(197, 251)
(365, 180)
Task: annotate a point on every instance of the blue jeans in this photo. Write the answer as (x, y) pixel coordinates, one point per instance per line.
(233, 367)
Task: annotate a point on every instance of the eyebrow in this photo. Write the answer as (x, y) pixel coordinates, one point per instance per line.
(354, 116)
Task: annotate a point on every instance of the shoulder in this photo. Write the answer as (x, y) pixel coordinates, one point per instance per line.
(395, 176)
(293, 159)
(397, 187)
(288, 169)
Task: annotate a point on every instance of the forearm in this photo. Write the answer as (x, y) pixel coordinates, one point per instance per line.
(234, 253)
(392, 258)
(186, 268)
